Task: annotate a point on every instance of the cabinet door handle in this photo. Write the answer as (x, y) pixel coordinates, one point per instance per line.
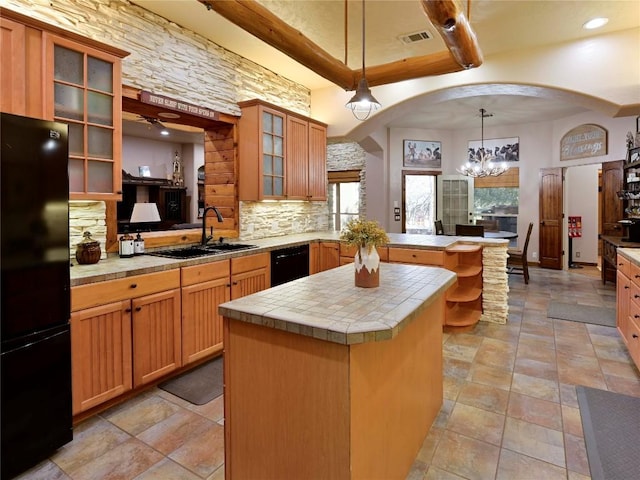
(138, 309)
(635, 335)
(626, 287)
(133, 285)
(228, 285)
(235, 283)
(127, 310)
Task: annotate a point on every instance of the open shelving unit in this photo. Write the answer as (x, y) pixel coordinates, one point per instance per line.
(464, 298)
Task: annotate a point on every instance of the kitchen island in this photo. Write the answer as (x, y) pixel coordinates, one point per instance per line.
(327, 380)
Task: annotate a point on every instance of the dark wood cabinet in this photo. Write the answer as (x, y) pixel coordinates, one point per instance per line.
(171, 201)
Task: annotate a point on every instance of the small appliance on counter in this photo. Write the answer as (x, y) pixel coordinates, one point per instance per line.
(633, 229)
(35, 346)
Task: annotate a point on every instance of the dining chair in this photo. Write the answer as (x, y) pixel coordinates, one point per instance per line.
(438, 227)
(517, 260)
(463, 230)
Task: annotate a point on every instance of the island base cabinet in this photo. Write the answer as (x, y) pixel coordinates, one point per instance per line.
(300, 407)
(101, 353)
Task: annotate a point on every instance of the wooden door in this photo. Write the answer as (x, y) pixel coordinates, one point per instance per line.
(297, 169)
(156, 336)
(100, 353)
(550, 232)
(611, 208)
(201, 322)
(317, 162)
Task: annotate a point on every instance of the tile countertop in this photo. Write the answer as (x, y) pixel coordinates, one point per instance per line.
(632, 254)
(115, 267)
(329, 306)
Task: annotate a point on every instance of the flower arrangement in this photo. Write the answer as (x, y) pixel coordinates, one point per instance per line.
(364, 233)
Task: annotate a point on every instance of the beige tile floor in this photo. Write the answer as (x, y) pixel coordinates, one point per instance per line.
(510, 409)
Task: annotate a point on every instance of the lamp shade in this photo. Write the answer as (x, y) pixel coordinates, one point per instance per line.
(144, 213)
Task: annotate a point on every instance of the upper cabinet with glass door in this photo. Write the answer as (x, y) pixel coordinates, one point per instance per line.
(83, 89)
(282, 155)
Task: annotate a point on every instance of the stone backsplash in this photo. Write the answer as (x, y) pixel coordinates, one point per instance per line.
(272, 219)
(87, 216)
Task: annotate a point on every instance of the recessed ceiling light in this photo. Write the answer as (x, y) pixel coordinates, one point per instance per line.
(595, 23)
(164, 132)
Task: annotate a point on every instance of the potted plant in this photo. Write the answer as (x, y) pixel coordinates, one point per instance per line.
(365, 235)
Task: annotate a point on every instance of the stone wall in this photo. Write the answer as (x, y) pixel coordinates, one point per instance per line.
(87, 216)
(495, 285)
(271, 219)
(343, 154)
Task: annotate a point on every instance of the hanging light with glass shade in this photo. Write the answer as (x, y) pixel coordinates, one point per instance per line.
(363, 102)
(482, 164)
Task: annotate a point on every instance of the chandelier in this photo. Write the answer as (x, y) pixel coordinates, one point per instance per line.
(363, 102)
(481, 164)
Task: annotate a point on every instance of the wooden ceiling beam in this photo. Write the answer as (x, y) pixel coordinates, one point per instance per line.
(445, 15)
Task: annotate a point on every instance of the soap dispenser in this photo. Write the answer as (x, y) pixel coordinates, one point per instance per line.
(138, 245)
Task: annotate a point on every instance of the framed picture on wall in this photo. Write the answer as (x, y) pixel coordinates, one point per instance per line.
(504, 149)
(421, 154)
(634, 154)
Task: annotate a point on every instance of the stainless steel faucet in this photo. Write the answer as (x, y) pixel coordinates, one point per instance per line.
(205, 237)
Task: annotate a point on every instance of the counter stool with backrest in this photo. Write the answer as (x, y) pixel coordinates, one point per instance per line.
(517, 261)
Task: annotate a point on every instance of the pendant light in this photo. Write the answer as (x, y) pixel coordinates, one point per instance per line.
(363, 102)
(482, 165)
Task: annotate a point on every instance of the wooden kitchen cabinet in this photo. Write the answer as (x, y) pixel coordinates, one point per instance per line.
(157, 337)
(204, 287)
(416, 256)
(628, 306)
(100, 354)
(250, 274)
(287, 150)
(54, 74)
(124, 333)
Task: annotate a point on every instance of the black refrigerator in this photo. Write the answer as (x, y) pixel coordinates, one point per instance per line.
(35, 340)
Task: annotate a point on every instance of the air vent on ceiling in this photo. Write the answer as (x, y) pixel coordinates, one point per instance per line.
(415, 37)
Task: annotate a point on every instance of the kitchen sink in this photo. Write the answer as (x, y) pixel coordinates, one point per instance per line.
(192, 252)
(228, 247)
(201, 251)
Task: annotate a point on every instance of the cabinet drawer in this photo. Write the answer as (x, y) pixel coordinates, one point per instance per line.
(100, 293)
(250, 262)
(419, 257)
(350, 252)
(624, 265)
(205, 272)
(634, 273)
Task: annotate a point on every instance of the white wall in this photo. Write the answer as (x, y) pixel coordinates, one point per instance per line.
(581, 199)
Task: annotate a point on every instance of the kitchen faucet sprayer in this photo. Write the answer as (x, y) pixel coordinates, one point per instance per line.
(205, 237)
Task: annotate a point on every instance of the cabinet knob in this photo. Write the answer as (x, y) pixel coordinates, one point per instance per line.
(127, 310)
(228, 284)
(626, 287)
(635, 335)
(413, 255)
(134, 285)
(138, 309)
(235, 283)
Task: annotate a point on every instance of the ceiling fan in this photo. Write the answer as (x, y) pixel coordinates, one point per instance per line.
(154, 122)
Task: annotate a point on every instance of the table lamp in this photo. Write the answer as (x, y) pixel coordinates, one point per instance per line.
(143, 213)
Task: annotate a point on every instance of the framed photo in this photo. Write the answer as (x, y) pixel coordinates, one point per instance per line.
(421, 153)
(144, 171)
(634, 154)
(504, 149)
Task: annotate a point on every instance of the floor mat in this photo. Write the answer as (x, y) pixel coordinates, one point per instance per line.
(197, 386)
(582, 313)
(611, 425)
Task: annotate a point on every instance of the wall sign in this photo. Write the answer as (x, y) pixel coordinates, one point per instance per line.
(177, 105)
(584, 141)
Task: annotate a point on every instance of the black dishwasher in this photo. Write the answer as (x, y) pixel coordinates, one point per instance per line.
(289, 264)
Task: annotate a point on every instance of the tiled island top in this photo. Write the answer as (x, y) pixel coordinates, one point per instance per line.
(328, 306)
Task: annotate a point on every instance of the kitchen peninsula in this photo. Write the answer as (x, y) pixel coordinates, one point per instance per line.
(327, 380)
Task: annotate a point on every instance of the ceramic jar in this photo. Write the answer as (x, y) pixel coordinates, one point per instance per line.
(88, 250)
(367, 265)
